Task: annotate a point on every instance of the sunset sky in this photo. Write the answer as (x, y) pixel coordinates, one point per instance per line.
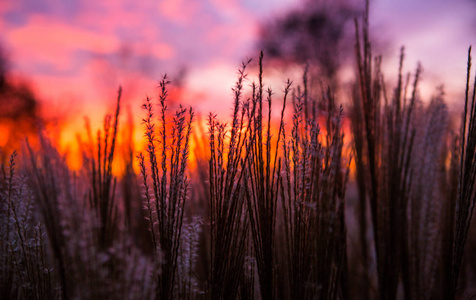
(75, 53)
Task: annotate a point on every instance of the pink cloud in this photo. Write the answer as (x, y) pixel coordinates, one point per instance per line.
(206, 30)
(42, 34)
(163, 51)
(137, 17)
(107, 16)
(6, 6)
(179, 11)
(233, 41)
(229, 8)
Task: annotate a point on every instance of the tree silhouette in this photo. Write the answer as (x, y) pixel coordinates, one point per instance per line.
(312, 33)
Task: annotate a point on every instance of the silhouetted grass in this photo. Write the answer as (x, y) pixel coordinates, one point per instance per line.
(466, 199)
(26, 270)
(266, 211)
(262, 190)
(313, 189)
(400, 165)
(75, 217)
(165, 199)
(228, 219)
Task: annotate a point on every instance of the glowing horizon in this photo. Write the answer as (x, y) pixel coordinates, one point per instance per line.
(75, 54)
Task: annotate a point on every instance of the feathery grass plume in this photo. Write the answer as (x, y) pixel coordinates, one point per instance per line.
(262, 189)
(186, 284)
(227, 179)
(425, 201)
(247, 288)
(26, 271)
(312, 193)
(6, 256)
(165, 199)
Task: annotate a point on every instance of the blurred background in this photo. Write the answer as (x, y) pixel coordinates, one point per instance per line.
(63, 60)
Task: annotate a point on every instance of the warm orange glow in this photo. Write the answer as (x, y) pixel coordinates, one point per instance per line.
(68, 136)
(74, 56)
(4, 133)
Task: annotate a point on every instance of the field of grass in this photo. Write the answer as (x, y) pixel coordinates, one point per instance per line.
(272, 205)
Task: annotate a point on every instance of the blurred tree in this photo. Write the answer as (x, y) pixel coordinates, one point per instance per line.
(312, 33)
(19, 110)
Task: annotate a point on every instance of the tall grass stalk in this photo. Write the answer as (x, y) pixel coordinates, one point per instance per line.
(400, 158)
(467, 177)
(26, 270)
(228, 219)
(77, 217)
(103, 183)
(166, 197)
(312, 193)
(51, 185)
(262, 190)
(271, 212)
